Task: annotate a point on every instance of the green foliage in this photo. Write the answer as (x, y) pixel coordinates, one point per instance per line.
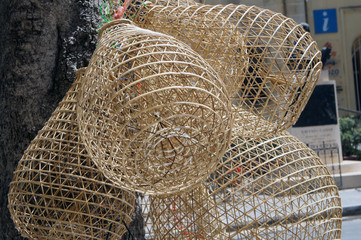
(350, 136)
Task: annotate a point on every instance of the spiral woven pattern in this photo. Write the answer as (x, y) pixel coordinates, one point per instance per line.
(174, 2)
(275, 188)
(153, 114)
(58, 193)
(269, 64)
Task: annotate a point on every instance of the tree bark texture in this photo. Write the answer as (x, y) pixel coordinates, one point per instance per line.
(42, 44)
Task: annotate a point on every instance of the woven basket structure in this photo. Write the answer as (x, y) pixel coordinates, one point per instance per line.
(190, 215)
(174, 2)
(135, 4)
(268, 62)
(58, 193)
(154, 115)
(275, 188)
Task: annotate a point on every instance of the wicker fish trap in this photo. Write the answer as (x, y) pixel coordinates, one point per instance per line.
(174, 2)
(190, 215)
(135, 4)
(154, 115)
(268, 62)
(58, 193)
(275, 188)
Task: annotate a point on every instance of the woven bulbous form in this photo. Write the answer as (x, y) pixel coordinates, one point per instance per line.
(154, 115)
(275, 188)
(135, 4)
(191, 215)
(269, 64)
(173, 2)
(58, 193)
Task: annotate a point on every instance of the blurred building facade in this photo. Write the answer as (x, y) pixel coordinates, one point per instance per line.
(335, 25)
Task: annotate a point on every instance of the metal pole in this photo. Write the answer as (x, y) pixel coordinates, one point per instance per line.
(284, 7)
(339, 167)
(306, 11)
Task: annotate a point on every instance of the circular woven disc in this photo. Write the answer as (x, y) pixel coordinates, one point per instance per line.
(154, 115)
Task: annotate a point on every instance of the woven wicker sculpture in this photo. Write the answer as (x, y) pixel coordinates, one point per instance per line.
(134, 4)
(154, 116)
(275, 188)
(268, 62)
(174, 2)
(190, 215)
(58, 193)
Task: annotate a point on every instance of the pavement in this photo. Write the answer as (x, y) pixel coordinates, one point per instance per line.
(351, 228)
(351, 221)
(351, 202)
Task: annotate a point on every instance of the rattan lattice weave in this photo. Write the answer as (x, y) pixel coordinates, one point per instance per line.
(190, 215)
(58, 193)
(174, 2)
(268, 62)
(154, 115)
(266, 188)
(275, 188)
(132, 4)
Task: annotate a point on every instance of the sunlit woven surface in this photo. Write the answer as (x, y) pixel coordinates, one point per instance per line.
(173, 2)
(153, 114)
(58, 193)
(268, 62)
(275, 188)
(190, 215)
(134, 4)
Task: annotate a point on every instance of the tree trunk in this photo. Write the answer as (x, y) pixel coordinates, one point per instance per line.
(42, 44)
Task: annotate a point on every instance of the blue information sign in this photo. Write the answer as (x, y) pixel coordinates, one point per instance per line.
(325, 20)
